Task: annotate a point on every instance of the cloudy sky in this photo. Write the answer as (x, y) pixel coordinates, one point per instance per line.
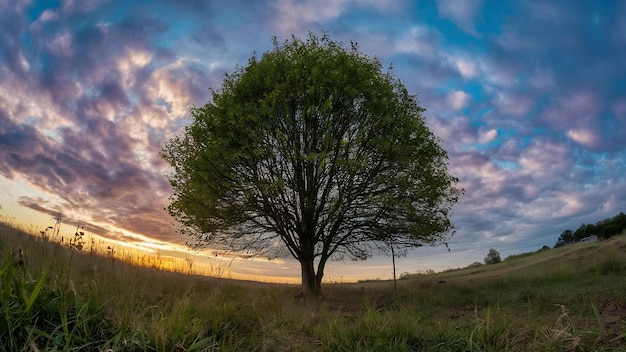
(529, 98)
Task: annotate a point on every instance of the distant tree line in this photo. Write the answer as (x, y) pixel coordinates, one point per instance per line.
(604, 229)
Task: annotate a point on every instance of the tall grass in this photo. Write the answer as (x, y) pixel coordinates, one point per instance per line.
(559, 300)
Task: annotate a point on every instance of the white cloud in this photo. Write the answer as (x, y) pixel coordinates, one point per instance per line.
(462, 13)
(487, 136)
(575, 113)
(466, 68)
(294, 16)
(457, 99)
(419, 40)
(495, 76)
(512, 105)
(571, 205)
(62, 45)
(544, 157)
(131, 61)
(555, 204)
(610, 204)
(493, 178)
(169, 88)
(538, 210)
(293, 13)
(39, 109)
(70, 6)
(530, 190)
(583, 136)
(48, 15)
(455, 131)
(23, 62)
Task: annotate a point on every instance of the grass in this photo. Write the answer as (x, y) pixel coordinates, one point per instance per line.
(567, 299)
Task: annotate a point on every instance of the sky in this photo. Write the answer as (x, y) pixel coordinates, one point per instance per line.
(528, 98)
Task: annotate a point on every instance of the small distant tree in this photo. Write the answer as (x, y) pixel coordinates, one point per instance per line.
(566, 237)
(492, 257)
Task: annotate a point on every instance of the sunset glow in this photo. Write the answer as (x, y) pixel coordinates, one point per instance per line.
(528, 98)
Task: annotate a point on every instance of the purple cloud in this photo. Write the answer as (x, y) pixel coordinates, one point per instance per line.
(528, 98)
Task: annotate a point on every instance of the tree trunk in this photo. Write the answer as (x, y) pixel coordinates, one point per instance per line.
(311, 283)
(393, 262)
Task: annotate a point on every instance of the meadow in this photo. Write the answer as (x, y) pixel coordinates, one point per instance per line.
(571, 298)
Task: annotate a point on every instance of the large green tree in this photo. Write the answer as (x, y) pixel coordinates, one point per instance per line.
(314, 149)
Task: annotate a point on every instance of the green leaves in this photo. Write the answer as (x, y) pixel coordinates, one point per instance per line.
(29, 298)
(314, 145)
(12, 285)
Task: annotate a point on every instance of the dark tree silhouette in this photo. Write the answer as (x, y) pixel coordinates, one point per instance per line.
(312, 149)
(493, 257)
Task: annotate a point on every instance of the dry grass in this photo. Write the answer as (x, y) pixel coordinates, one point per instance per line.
(571, 298)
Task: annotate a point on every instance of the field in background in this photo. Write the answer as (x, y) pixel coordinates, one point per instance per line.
(565, 299)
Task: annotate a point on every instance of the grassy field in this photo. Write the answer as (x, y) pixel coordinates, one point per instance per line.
(567, 299)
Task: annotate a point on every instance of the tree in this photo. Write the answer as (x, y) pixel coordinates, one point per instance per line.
(312, 150)
(585, 230)
(608, 228)
(492, 257)
(566, 237)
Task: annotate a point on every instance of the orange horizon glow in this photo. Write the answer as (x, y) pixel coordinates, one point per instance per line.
(141, 255)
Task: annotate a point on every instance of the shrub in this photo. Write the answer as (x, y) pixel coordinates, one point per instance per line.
(492, 257)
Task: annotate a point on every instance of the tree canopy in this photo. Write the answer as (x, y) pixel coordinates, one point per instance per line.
(311, 148)
(604, 229)
(493, 257)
